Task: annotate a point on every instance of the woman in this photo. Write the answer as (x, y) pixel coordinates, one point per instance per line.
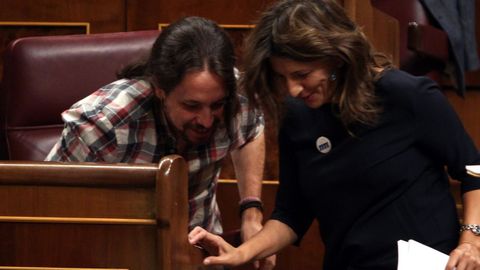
(363, 147)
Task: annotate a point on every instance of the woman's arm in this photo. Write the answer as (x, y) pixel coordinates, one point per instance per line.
(274, 236)
(467, 254)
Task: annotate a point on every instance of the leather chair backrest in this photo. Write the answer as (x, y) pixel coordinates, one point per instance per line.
(43, 76)
(423, 48)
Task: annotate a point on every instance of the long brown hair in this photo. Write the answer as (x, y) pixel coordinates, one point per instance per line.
(308, 30)
(190, 44)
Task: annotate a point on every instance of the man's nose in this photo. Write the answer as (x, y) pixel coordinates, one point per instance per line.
(205, 118)
(294, 88)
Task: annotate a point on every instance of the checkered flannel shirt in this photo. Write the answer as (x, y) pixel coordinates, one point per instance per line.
(118, 123)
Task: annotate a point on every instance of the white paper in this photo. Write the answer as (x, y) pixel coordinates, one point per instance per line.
(413, 255)
(473, 170)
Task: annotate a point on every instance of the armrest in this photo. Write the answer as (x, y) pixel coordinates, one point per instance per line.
(428, 40)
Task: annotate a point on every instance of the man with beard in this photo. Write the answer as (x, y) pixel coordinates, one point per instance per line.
(181, 100)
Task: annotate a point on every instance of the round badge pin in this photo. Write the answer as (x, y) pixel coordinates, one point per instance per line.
(323, 145)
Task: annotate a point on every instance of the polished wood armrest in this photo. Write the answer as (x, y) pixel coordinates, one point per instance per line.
(428, 41)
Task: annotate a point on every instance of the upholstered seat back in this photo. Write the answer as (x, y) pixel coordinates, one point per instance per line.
(43, 76)
(423, 47)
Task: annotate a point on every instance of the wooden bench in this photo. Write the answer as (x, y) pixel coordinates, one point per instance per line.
(91, 215)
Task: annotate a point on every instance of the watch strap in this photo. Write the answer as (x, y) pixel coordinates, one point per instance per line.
(474, 228)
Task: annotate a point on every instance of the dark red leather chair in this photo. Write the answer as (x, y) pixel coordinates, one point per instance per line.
(423, 48)
(43, 76)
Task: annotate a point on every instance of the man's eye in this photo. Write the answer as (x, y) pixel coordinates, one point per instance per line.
(191, 106)
(218, 105)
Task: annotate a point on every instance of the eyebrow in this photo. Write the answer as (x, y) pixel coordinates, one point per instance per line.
(224, 99)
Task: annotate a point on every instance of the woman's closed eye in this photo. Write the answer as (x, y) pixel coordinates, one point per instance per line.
(299, 75)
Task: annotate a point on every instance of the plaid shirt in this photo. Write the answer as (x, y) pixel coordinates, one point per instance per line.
(118, 123)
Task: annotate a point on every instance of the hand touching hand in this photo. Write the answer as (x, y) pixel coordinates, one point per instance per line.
(223, 253)
(250, 227)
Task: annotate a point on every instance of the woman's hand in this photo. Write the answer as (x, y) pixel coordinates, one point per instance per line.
(465, 256)
(223, 253)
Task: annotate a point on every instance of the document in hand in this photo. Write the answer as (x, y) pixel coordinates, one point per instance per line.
(413, 255)
(473, 170)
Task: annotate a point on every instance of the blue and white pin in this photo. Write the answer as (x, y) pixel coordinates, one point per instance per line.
(323, 145)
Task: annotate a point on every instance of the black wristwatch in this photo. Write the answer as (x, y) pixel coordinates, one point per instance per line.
(474, 228)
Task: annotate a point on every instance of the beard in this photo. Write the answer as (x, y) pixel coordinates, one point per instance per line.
(196, 135)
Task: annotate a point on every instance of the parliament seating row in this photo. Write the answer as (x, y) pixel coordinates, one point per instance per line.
(94, 215)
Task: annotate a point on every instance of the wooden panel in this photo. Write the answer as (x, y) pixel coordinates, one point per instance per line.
(29, 244)
(381, 29)
(56, 201)
(103, 15)
(92, 215)
(147, 14)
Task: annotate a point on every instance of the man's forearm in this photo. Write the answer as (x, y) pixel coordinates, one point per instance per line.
(249, 164)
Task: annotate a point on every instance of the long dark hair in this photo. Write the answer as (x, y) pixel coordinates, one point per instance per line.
(308, 30)
(190, 44)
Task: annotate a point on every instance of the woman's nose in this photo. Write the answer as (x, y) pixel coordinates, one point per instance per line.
(294, 88)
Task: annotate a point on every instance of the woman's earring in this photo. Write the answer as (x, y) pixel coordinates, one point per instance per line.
(333, 76)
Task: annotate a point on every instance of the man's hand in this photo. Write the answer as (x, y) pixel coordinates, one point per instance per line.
(251, 224)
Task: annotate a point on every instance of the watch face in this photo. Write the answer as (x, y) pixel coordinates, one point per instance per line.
(476, 230)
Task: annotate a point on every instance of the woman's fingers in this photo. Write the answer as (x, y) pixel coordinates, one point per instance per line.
(214, 244)
(466, 256)
(196, 235)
